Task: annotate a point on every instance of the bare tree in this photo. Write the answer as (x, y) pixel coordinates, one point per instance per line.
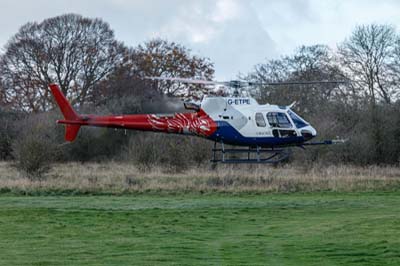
(2, 96)
(126, 89)
(160, 58)
(394, 69)
(366, 56)
(308, 63)
(71, 50)
(272, 71)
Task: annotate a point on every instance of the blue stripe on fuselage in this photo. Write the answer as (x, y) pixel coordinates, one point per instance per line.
(228, 134)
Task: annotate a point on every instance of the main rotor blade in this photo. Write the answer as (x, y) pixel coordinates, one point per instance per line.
(288, 83)
(190, 81)
(239, 83)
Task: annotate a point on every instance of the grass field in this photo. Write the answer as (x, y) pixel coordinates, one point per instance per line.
(273, 229)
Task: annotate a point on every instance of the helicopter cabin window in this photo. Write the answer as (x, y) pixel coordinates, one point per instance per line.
(260, 121)
(280, 120)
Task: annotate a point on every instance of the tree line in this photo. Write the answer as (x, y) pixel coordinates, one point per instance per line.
(101, 74)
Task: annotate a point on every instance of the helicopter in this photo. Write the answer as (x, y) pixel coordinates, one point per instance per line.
(259, 133)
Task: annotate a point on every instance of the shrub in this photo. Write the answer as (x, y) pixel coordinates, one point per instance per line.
(173, 153)
(36, 146)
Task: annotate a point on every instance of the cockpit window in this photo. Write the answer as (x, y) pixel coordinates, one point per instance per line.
(276, 119)
(260, 121)
(297, 120)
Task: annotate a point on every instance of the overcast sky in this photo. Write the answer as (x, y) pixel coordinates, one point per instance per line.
(234, 34)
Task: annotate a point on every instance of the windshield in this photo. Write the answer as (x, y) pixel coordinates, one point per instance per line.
(297, 120)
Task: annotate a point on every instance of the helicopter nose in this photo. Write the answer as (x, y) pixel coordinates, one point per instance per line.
(313, 132)
(308, 133)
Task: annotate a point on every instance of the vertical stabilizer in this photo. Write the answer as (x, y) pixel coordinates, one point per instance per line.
(71, 130)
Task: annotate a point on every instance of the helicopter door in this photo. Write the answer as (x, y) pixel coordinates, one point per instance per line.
(260, 121)
(280, 125)
(261, 129)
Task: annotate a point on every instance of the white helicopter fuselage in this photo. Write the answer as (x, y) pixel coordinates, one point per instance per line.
(242, 121)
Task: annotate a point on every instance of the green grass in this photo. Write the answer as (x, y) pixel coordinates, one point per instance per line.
(274, 229)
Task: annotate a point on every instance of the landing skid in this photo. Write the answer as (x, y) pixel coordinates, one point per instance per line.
(252, 155)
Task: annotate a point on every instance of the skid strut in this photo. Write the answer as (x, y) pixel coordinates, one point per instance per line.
(254, 155)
